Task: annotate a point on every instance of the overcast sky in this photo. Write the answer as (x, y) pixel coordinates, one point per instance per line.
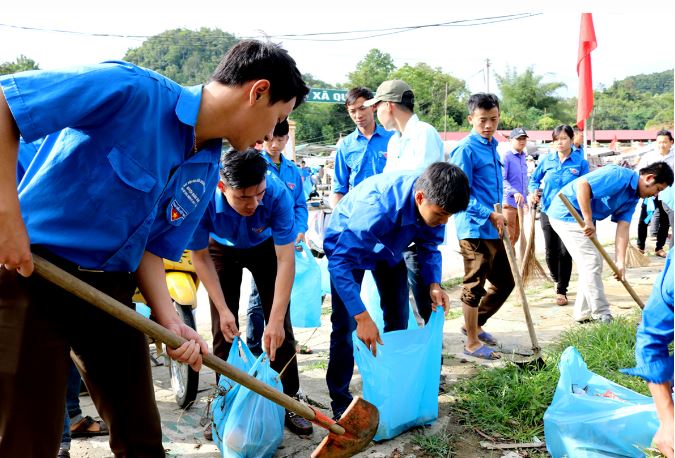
(633, 37)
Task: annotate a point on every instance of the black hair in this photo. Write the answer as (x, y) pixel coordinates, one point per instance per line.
(661, 171)
(357, 92)
(408, 101)
(445, 185)
(251, 60)
(483, 100)
(281, 129)
(242, 169)
(560, 129)
(666, 133)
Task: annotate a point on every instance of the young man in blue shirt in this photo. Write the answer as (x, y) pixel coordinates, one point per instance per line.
(249, 225)
(653, 357)
(120, 182)
(480, 228)
(608, 191)
(289, 174)
(363, 153)
(514, 174)
(369, 230)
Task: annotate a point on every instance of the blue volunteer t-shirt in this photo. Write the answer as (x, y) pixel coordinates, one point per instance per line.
(272, 218)
(614, 192)
(115, 175)
(553, 175)
(289, 174)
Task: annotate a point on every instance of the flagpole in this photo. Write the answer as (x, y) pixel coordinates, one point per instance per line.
(585, 139)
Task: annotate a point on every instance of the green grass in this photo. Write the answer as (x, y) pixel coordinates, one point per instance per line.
(452, 282)
(454, 313)
(509, 402)
(321, 362)
(438, 444)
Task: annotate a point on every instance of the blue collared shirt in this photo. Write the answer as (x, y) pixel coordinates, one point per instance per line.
(614, 192)
(479, 160)
(115, 175)
(553, 175)
(272, 218)
(374, 223)
(515, 176)
(655, 333)
(358, 158)
(289, 175)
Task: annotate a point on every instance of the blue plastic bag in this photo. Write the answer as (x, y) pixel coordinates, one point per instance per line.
(402, 381)
(307, 186)
(371, 299)
(591, 416)
(325, 275)
(241, 358)
(306, 293)
(255, 425)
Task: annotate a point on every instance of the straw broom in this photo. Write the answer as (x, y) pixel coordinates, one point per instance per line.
(634, 258)
(531, 269)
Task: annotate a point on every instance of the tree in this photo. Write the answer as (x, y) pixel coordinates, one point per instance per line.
(431, 105)
(526, 99)
(188, 57)
(372, 70)
(21, 64)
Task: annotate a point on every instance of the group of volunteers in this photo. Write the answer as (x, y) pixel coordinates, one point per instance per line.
(127, 168)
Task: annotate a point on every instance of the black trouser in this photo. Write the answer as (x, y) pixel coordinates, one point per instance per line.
(663, 225)
(558, 259)
(39, 324)
(261, 261)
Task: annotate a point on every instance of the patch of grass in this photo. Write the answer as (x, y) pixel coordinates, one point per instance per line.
(321, 362)
(438, 444)
(509, 402)
(454, 313)
(452, 282)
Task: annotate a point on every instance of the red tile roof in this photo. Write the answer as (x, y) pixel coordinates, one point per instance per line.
(545, 135)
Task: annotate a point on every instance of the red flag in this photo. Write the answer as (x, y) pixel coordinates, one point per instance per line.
(587, 43)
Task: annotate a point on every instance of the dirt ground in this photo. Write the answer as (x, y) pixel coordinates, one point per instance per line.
(183, 429)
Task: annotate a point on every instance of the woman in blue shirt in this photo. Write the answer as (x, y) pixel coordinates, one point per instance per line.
(553, 172)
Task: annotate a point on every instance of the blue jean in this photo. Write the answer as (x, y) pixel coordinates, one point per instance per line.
(392, 285)
(419, 290)
(256, 321)
(73, 409)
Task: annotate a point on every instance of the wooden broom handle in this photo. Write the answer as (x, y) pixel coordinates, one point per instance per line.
(573, 211)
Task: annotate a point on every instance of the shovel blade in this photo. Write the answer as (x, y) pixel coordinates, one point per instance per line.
(360, 422)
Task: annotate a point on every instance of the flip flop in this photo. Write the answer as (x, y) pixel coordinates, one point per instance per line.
(484, 337)
(88, 427)
(482, 352)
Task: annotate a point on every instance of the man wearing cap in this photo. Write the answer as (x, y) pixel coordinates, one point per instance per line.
(363, 153)
(515, 180)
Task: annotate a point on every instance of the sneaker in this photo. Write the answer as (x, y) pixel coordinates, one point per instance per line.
(208, 432)
(297, 424)
(63, 453)
(605, 319)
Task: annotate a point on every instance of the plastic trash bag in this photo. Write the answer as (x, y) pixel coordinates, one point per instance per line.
(307, 186)
(241, 358)
(306, 293)
(325, 275)
(371, 299)
(402, 381)
(255, 425)
(591, 416)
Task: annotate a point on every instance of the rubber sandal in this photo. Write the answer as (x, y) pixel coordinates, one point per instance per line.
(482, 352)
(84, 428)
(561, 299)
(484, 337)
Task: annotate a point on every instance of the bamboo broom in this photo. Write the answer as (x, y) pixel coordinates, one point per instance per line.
(531, 269)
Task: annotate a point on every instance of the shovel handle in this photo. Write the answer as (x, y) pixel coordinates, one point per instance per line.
(573, 211)
(120, 311)
(511, 254)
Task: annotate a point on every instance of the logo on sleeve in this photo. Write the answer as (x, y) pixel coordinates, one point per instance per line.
(185, 201)
(177, 212)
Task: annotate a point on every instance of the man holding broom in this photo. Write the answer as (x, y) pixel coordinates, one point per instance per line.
(608, 191)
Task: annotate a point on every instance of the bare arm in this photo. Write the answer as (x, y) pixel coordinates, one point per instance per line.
(621, 245)
(152, 283)
(661, 393)
(274, 331)
(14, 242)
(335, 198)
(206, 271)
(584, 198)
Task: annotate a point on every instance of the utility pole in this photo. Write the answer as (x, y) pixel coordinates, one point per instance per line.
(445, 110)
(487, 74)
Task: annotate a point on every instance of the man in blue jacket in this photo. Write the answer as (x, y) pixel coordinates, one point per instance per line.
(120, 182)
(480, 228)
(289, 174)
(370, 230)
(249, 224)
